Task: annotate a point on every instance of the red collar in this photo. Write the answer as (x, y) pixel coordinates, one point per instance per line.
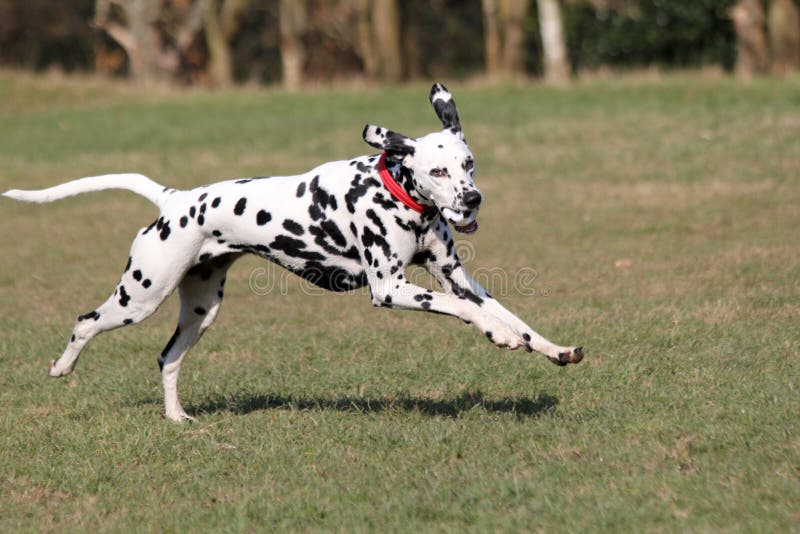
(396, 189)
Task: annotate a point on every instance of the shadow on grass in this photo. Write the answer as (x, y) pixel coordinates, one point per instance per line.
(453, 407)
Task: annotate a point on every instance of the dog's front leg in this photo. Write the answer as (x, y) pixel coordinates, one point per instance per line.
(458, 281)
(396, 292)
(441, 260)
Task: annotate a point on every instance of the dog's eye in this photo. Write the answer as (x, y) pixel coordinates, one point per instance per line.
(438, 173)
(469, 164)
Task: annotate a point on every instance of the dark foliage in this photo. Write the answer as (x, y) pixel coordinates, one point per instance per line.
(651, 32)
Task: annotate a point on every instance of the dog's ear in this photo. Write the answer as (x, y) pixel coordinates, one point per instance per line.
(445, 107)
(397, 146)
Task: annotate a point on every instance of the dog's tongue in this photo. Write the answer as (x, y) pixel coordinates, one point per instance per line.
(468, 229)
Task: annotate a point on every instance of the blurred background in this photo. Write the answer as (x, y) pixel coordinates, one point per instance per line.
(219, 43)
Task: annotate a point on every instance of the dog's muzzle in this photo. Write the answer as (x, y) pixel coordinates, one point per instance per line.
(464, 221)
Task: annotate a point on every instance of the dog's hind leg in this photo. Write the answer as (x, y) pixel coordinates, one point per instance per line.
(201, 293)
(149, 277)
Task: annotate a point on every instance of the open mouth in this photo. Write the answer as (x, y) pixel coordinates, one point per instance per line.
(470, 228)
(463, 221)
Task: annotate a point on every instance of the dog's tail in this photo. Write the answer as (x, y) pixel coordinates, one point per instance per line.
(137, 183)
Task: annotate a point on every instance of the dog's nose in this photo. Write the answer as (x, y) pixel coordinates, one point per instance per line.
(472, 199)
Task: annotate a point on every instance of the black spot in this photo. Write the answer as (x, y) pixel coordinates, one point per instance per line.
(462, 293)
(202, 197)
(72, 339)
(423, 257)
(127, 321)
(320, 197)
(301, 189)
(216, 233)
(315, 212)
(330, 277)
(358, 188)
(128, 265)
(184, 221)
(200, 310)
(369, 238)
(146, 283)
(332, 229)
(383, 202)
(489, 335)
(168, 347)
(294, 227)
(294, 248)
(263, 217)
(137, 275)
(240, 206)
(387, 299)
(426, 305)
(375, 219)
(216, 202)
(244, 181)
(526, 336)
(201, 219)
(192, 212)
(91, 315)
(124, 298)
(219, 294)
(165, 231)
(203, 207)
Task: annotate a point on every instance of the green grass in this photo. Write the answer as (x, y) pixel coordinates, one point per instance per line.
(661, 219)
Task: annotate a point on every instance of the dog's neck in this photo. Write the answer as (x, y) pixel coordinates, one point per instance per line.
(403, 176)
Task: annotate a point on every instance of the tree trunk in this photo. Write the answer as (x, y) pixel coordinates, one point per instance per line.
(752, 57)
(365, 43)
(138, 38)
(491, 38)
(386, 34)
(556, 65)
(150, 54)
(220, 27)
(220, 66)
(411, 38)
(293, 16)
(784, 36)
(512, 15)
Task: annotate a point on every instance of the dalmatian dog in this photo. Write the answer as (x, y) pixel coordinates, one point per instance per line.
(341, 226)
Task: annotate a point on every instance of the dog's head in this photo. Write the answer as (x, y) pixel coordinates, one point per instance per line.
(441, 165)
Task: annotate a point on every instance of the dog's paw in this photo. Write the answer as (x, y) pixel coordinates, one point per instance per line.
(504, 337)
(57, 370)
(569, 355)
(180, 416)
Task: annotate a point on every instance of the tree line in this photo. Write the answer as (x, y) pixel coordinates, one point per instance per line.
(293, 42)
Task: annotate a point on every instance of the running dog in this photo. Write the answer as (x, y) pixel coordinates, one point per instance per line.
(341, 226)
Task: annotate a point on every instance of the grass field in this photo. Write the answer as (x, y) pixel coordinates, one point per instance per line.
(661, 219)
